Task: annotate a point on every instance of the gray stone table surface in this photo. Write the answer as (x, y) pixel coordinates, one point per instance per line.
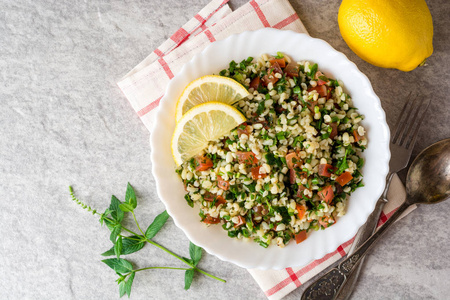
(64, 122)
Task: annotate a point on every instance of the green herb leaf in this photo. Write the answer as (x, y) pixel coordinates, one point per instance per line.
(260, 109)
(188, 260)
(313, 71)
(195, 252)
(118, 247)
(122, 289)
(129, 245)
(115, 211)
(129, 283)
(109, 252)
(119, 265)
(188, 276)
(126, 207)
(189, 201)
(156, 225)
(115, 232)
(130, 196)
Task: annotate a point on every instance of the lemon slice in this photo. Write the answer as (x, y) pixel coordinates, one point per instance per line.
(209, 88)
(201, 124)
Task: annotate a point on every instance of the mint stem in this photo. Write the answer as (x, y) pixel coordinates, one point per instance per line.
(137, 224)
(168, 251)
(169, 268)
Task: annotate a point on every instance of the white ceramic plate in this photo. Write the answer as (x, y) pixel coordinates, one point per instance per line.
(334, 64)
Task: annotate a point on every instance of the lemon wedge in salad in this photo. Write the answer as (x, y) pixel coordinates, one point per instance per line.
(209, 88)
(203, 123)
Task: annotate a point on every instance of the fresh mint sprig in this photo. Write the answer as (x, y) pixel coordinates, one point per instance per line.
(124, 245)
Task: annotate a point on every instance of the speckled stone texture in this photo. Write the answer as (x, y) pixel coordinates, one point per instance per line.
(65, 122)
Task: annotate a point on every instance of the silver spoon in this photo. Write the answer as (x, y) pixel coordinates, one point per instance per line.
(427, 182)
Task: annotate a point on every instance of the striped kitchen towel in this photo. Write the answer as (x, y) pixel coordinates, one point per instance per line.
(144, 86)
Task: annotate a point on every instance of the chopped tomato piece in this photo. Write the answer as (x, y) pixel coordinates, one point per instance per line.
(327, 221)
(210, 197)
(344, 178)
(248, 158)
(240, 222)
(334, 130)
(223, 184)
(256, 174)
(326, 170)
(220, 200)
(269, 79)
(326, 194)
(243, 129)
(280, 61)
(338, 188)
(357, 136)
(311, 104)
(329, 89)
(210, 220)
(300, 237)
(203, 163)
(292, 160)
(301, 211)
(292, 176)
(321, 89)
(291, 69)
(321, 82)
(255, 83)
(276, 68)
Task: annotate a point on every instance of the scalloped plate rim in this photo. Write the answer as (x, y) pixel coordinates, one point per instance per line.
(225, 255)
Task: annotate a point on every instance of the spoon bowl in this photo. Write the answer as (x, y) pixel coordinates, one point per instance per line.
(428, 179)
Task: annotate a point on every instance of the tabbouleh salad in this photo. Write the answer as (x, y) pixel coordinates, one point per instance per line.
(290, 168)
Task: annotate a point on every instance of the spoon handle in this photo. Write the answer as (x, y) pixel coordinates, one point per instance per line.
(328, 286)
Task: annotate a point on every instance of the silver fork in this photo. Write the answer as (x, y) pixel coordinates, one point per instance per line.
(337, 283)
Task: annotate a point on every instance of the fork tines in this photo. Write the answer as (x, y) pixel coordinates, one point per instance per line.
(410, 119)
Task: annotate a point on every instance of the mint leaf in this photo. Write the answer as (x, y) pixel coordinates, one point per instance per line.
(188, 276)
(129, 245)
(122, 288)
(126, 207)
(129, 284)
(195, 252)
(116, 213)
(115, 232)
(188, 260)
(130, 196)
(118, 247)
(119, 265)
(261, 107)
(156, 225)
(109, 252)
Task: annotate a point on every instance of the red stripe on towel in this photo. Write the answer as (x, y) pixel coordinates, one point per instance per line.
(166, 67)
(149, 107)
(260, 14)
(286, 21)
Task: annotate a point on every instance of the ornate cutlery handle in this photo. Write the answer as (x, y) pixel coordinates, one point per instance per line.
(328, 286)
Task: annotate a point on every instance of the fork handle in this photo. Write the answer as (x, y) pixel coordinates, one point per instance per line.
(363, 234)
(328, 286)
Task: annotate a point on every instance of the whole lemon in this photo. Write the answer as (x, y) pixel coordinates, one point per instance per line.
(388, 33)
